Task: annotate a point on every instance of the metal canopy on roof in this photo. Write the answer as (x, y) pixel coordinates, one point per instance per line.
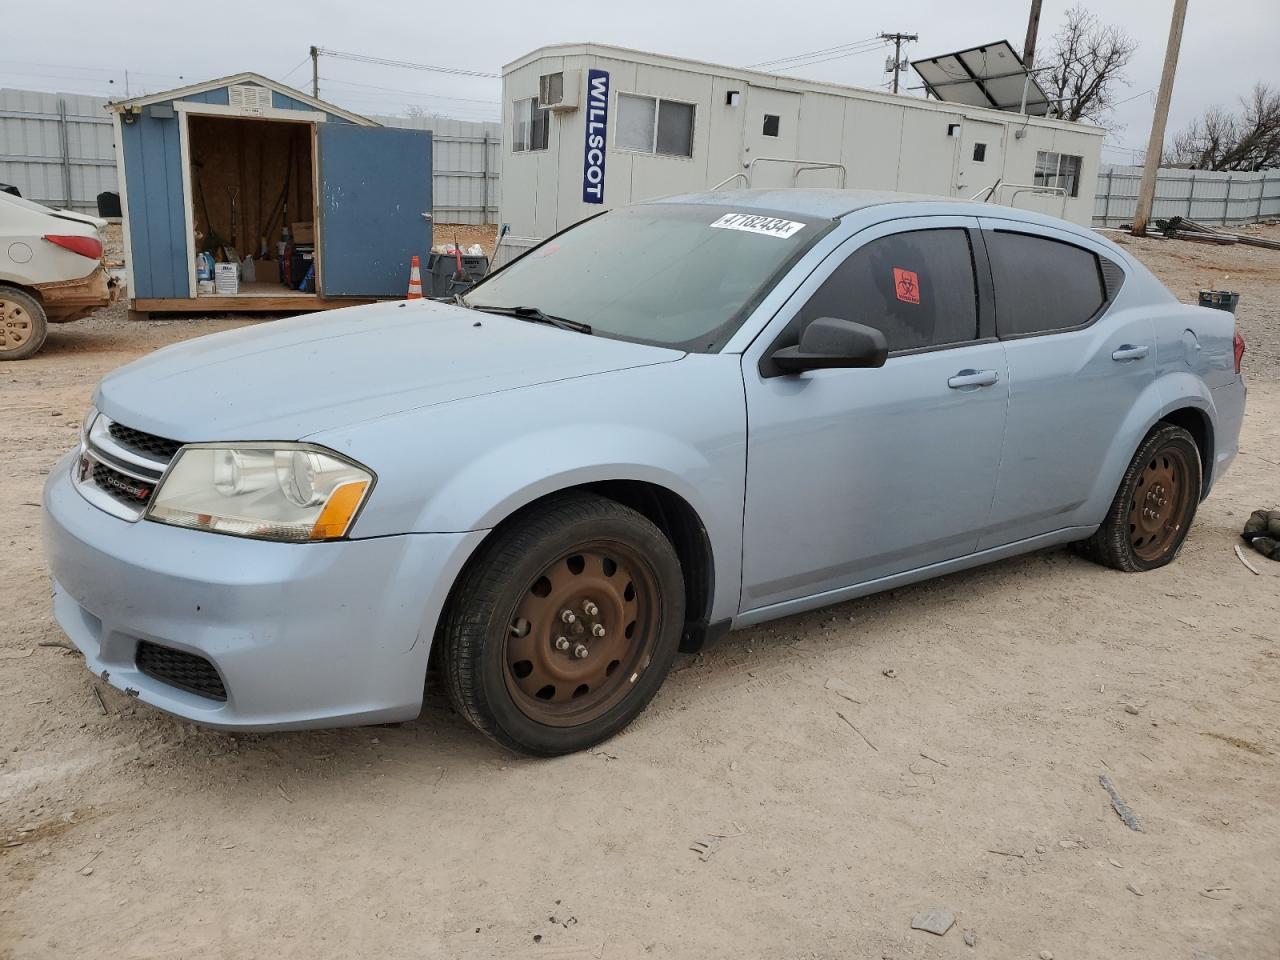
(991, 76)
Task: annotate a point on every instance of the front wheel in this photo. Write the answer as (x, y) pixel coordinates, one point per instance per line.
(1153, 509)
(560, 633)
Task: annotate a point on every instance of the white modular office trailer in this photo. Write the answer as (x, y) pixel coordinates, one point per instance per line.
(588, 127)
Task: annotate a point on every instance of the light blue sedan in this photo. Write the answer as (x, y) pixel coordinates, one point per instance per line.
(667, 422)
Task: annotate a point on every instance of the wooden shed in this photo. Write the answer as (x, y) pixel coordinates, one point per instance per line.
(326, 206)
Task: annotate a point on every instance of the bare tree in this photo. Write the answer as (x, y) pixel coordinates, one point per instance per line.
(1086, 61)
(1220, 139)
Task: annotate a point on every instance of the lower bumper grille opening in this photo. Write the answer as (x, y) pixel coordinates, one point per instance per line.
(186, 671)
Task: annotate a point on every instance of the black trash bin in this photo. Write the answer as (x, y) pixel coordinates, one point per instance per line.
(443, 271)
(1220, 300)
(108, 205)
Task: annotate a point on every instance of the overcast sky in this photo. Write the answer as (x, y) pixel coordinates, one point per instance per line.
(85, 47)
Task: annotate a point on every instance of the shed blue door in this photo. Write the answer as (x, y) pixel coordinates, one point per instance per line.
(375, 186)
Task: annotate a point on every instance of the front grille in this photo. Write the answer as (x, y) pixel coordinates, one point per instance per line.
(120, 486)
(147, 443)
(186, 671)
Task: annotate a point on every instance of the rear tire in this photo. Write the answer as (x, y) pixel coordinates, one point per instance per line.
(560, 633)
(1152, 512)
(23, 324)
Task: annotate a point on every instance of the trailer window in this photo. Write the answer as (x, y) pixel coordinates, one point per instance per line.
(529, 125)
(772, 125)
(1058, 170)
(653, 125)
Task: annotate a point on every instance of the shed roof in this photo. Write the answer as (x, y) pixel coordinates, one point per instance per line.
(246, 77)
(783, 82)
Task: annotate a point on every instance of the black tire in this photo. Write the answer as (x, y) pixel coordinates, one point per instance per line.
(23, 324)
(1131, 541)
(479, 623)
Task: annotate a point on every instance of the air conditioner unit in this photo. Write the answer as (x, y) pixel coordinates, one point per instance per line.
(249, 97)
(559, 91)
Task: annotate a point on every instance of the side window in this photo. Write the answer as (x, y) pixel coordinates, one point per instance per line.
(1042, 285)
(917, 288)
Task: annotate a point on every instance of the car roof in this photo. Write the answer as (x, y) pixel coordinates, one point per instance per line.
(827, 202)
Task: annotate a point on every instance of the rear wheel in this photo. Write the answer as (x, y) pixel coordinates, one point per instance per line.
(1153, 509)
(23, 325)
(563, 630)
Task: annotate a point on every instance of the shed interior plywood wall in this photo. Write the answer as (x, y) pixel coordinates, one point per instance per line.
(266, 165)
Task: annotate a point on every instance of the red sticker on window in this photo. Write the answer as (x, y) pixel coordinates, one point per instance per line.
(907, 285)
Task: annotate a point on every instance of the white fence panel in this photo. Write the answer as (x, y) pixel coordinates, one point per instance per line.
(1203, 195)
(57, 148)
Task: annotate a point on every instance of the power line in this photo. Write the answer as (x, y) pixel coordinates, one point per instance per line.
(416, 93)
(839, 56)
(898, 39)
(301, 64)
(404, 64)
(815, 53)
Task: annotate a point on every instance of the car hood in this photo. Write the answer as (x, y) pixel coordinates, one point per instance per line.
(291, 378)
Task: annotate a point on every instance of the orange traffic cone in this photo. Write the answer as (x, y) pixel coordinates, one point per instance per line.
(415, 279)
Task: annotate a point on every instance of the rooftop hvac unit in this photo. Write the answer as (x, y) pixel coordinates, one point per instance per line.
(559, 91)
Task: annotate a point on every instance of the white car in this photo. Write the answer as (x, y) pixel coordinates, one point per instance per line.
(50, 272)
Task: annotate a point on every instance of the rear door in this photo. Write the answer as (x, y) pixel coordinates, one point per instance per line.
(854, 475)
(1076, 367)
(373, 205)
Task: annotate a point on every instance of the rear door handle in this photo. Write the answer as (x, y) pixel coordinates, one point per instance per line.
(1129, 351)
(973, 378)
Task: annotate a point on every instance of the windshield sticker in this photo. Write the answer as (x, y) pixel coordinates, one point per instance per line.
(907, 285)
(767, 226)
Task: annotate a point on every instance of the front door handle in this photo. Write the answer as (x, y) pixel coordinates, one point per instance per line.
(973, 378)
(1128, 351)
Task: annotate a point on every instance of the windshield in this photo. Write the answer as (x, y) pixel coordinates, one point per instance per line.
(678, 275)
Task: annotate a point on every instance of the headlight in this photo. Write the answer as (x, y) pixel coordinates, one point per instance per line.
(273, 491)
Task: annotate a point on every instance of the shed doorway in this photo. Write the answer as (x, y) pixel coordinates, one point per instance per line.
(253, 204)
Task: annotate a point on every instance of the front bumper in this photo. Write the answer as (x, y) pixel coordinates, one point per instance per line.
(302, 635)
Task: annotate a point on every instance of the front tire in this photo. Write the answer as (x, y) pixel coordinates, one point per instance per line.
(1153, 509)
(23, 324)
(563, 629)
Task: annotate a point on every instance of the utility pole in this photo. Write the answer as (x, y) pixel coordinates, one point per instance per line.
(1155, 146)
(315, 72)
(898, 39)
(1033, 29)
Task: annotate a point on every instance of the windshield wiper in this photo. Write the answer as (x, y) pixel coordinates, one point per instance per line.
(534, 315)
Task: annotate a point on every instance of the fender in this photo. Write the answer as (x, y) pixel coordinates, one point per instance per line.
(1164, 395)
(468, 465)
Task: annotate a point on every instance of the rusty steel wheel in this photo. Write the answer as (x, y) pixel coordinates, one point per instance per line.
(565, 626)
(23, 326)
(581, 634)
(1159, 505)
(1154, 507)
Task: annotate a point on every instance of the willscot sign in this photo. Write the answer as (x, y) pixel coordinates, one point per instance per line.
(596, 136)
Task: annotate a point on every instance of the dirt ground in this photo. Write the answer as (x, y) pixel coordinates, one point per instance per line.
(835, 800)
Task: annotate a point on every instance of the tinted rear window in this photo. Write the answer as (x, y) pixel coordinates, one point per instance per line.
(1042, 285)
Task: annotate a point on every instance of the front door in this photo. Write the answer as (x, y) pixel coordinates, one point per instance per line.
(374, 205)
(979, 163)
(854, 475)
(772, 131)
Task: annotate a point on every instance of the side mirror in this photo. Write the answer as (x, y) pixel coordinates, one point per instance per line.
(828, 342)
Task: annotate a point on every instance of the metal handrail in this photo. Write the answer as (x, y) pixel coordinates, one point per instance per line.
(807, 165)
(1023, 188)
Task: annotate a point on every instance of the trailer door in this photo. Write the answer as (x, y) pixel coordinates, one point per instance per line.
(373, 207)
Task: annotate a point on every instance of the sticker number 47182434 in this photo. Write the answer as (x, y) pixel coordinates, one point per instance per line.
(768, 226)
